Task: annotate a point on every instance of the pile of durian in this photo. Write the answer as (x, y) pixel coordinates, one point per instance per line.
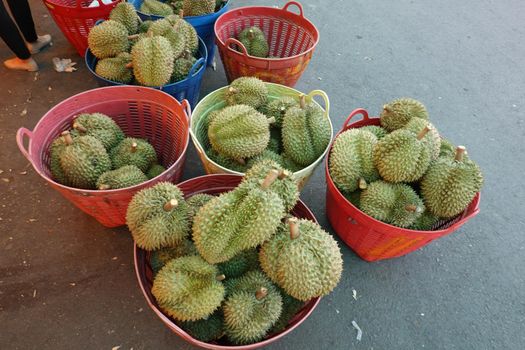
(190, 7)
(144, 53)
(403, 172)
(95, 154)
(287, 130)
(236, 267)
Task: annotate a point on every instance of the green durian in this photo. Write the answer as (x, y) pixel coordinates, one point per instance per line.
(425, 222)
(226, 162)
(188, 288)
(306, 132)
(239, 132)
(254, 41)
(432, 139)
(100, 126)
(198, 7)
(241, 263)
(290, 164)
(172, 32)
(376, 130)
(133, 151)
(355, 196)
(126, 176)
(126, 14)
(152, 59)
(351, 160)
(397, 113)
(108, 39)
(158, 217)
(402, 156)
(266, 154)
(302, 259)
(450, 184)
(248, 91)
(190, 34)
(182, 67)
(144, 26)
(197, 201)
(157, 8)
(291, 307)
(277, 108)
(275, 143)
(115, 68)
(55, 150)
(206, 329)
(155, 170)
(395, 204)
(160, 257)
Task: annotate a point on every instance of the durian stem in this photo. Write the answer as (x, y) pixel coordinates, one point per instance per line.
(240, 161)
(283, 174)
(362, 184)
(386, 108)
(270, 178)
(79, 127)
(129, 65)
(302, 101)
(271, 120)
(294, 228)
(133, 37)
(460, 151)
(181, 13)
(172, 203)
(423, 132)
(411, 207)
(104, 187)
(134, 146)
(232, 90)
(251, 34)
(221, 277)
(261, 293)
(67, 137)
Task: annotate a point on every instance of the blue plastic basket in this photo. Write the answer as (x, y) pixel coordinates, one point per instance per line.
(188, 88)
(202, 24)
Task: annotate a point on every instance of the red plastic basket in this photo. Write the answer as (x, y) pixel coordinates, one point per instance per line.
(292, 39)
(140, 112)
(75, 19)
(214, 184)
(372, 239)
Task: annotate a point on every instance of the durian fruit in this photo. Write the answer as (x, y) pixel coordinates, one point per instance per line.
(152, 59)
(291, 307)
(144, 26)
(182, 67)
(238, 220)
(351, 160)
(248, 91)
(198, 7)
(158, 217)
(126, 14)
(160, 257)
(306, 132)
(108, 39)
(197, 201)
(206, 329)
(355, 196)
(190, 34)
(251, 309)
(126, 176)
(55, 150)
(302, 259)
(165, 28)
(277, 109)
(396, 204)
(115, 68)
(239, 132)
(432, 139)
(402, 156)
(83, 160)
(155, 170)
(448, 150)
(397, 113)
(241, 263)
(376, 130)
(450, 184)
(235, 165)
(133, 151)
(255, 41)
(276, 140)
(100, 126)
(188, 288)
(290, 164)
(266, 154)
(157, 8)
(425, 222)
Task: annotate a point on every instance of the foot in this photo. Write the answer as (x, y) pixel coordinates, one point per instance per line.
(39, 44)
(19, 64)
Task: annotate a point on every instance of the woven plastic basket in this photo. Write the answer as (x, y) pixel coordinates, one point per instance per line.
(214, 184)
(140, 112)
(215, 100)
(75, 18)
(202, 24)
(292, 39)
(372, 239)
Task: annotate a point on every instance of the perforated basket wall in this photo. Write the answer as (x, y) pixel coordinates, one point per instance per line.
(140, 112)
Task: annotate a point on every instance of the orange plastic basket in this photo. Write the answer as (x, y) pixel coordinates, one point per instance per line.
(75, 19)
(141, 112)
(372, 239)
(292, 39)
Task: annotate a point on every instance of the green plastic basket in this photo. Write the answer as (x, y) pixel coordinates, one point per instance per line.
(215, 100)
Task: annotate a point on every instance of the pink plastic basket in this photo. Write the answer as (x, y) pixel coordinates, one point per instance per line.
(140, 112)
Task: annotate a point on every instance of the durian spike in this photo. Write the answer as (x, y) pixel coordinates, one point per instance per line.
(460, 152)
(362, 184)
(270, 178)
(104, 187)
(67, 137)
(261, 293)
(220, 277)
(134, 146)
(294, 228)
(411, 207)
(133, 37)
(172, 203)
(423, 132)
(79, 127)
(271, 120)
(302, 101)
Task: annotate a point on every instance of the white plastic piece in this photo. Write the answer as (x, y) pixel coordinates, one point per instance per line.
(359, 331)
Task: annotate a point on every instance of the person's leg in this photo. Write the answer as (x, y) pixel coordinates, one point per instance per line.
(22, 14)
(10, 34)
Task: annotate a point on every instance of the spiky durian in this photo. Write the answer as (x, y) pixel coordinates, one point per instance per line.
(133, 151)
(290, 164)
(126, 14)
(160, 257)
(254, 41)
(172, 32)
(450, 184)
(188, 288)
(206, 329)
(276, 140)
(190, 34)
(241, 263)
(144, 26)
(431, 139)
(100, 126)
(306, 132)
(266, 154)
(303, 259)
(55, 150)
(277, 108)
(425, 222)
(157, 8)
(402, 156)
(115, 68)
(228, 163)
(155, 170)
(158, 217)
(291, 307)
(182, 67)
(198, 7)
(351, 160)
(126, 176)
(397, 113)
(152, 59)
(108, 39)
(376, 130)
(355, 196)
(248, 91)
(197, 201)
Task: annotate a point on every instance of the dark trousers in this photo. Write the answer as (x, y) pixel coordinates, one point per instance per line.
(9, 32)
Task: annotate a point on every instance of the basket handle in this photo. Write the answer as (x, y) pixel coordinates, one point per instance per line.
(187, 108)
(355, 112)
(299, 6)
(20, 134)
(230, 41)
(323, 94)
(195, 68)
(99, 21)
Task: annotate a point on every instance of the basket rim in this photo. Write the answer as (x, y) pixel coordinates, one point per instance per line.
(465, 215)
(297, 174)
(111, 191)
(157, 17)
(262, 59)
